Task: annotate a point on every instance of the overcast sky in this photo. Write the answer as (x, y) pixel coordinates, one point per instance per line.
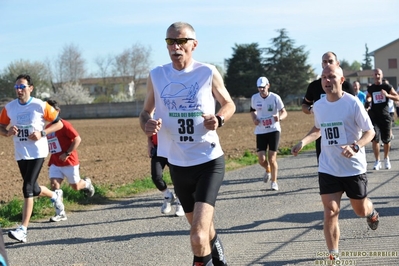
(38, 30)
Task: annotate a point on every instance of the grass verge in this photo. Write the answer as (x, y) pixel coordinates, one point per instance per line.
(11, 212)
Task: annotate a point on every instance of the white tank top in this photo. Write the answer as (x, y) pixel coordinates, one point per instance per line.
(181, 97)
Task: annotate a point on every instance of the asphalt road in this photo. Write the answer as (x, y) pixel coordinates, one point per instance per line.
(257, 226)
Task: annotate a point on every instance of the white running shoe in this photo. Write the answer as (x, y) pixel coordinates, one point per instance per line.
(18, 234)
(274, 186)
(167, 203)
(90, 190)
(387, 163)
(58, 205)
(333, 256)
(60, 217)
(267, 177)
(377, 165)
(179, 209)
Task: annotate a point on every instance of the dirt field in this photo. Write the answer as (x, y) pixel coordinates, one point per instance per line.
(114, 151)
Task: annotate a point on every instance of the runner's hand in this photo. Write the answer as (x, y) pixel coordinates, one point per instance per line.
(153, 126)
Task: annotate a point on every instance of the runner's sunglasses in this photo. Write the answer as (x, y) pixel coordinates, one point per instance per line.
(21, 86)
(180, 41)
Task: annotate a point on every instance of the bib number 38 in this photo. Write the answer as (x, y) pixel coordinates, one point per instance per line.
(186, 126)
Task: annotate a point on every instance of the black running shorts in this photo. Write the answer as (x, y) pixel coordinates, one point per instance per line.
(355, 187)
(271, 140)
(382, 126)
(198, 183)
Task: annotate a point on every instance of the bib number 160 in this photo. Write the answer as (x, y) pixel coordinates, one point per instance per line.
(332, 134)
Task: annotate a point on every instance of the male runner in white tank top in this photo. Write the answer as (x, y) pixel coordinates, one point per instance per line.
(184, 93)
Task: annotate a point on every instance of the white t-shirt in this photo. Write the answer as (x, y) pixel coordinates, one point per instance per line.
(265, 109)
(29, 117)
(341, 123)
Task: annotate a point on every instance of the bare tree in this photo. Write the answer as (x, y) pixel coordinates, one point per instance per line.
(139, 61)
(121, 64)
(70, 65)
(104, 65)
(129, 66)
(132, 64)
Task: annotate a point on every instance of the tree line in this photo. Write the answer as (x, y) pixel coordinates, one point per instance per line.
(60, 78)
(283, 63)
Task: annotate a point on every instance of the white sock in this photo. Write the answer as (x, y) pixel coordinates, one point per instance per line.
(54, 197)
(167, 193)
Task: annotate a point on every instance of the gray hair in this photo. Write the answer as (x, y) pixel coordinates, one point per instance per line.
(178, 26)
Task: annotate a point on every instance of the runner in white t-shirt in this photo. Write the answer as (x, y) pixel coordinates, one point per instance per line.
(345, 128)
(267, 110)
(24, 119)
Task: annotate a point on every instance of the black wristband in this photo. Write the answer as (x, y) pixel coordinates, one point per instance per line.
(220, 120)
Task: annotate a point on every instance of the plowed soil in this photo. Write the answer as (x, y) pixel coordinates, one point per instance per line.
(114, 151)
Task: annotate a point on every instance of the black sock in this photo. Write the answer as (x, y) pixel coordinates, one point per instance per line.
(218, 257)
(203, 261)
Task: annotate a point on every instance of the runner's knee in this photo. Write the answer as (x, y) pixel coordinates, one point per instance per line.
(30, 190)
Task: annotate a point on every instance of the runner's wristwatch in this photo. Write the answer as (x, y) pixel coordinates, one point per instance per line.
(355, 147)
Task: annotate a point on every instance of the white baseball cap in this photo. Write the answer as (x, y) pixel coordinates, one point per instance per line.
(262, 82)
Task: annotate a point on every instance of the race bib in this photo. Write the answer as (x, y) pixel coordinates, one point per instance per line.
(378, 97)
(188, 126)
(333, 133)
(23, 132)
(266, 122)
(54, 145)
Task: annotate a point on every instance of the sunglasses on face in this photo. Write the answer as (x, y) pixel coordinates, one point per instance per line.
(21, 86)
(179, 41)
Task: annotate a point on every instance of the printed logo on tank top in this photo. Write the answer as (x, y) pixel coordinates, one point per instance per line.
(184, 112)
